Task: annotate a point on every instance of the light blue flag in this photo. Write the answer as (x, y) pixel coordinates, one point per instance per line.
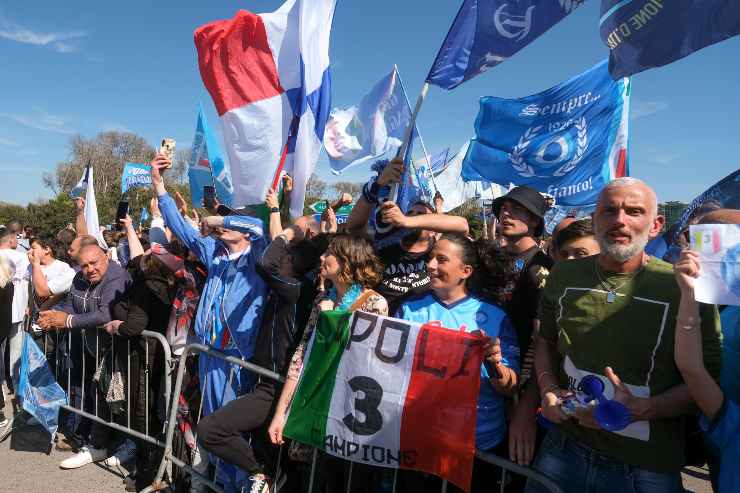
(39, 393)
(487, 32)
(568, 141)
(135, 175)
(207, 165)
(372, 131)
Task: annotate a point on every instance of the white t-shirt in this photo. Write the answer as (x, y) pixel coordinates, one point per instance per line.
(58, 276)
(20, 264)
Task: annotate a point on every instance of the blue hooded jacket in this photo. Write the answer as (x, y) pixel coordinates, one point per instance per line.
(244, 290)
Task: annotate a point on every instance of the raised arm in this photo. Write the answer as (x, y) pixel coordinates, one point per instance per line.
(360, 215)
(276, 224)
(439, 223)
(80, 224)
(203, 247)
(134, 244)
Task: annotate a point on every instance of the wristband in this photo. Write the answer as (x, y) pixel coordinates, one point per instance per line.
(68, 322)
(274, 210)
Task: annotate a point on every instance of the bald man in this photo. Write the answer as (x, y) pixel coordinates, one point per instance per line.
(99, 284)
(611, 315)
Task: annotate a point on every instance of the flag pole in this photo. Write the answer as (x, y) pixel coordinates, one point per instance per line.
(409, 132)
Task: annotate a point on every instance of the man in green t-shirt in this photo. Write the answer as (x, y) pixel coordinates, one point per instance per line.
(613, 315)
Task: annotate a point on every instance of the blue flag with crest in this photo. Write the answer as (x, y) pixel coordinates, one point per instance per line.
(487, 32)
(135, 175)
(207, 165)
(642, 34)
(568, 141)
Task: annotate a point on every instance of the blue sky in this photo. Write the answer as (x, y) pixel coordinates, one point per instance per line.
(84, 67)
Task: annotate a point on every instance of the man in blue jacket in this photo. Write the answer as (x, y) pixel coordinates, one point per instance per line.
(234, 295)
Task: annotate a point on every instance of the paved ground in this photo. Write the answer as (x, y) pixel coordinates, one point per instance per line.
(25, 467)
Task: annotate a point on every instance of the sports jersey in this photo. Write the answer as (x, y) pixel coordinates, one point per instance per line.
(471, 314)
(724, 432)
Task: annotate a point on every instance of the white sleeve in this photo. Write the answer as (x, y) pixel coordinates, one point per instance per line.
(61, 282)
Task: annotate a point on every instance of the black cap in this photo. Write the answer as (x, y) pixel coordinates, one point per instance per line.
(530, 199)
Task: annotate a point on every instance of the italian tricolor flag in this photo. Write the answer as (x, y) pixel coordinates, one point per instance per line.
(390, 393)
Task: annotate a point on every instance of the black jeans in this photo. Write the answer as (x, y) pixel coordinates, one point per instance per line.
(221, 431)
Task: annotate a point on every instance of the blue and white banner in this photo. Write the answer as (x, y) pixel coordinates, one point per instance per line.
(372, 131)
(455, 191)
(207, 166)
(135, 175)
(438, 162)
(642, 34)
(487, 32)
(38, 391)
(568, 141)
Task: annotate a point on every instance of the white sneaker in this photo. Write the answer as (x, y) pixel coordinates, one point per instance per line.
(260, 483)
(125, 453)
(86, 455)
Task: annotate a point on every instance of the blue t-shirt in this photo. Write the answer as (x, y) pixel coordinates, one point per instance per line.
(473, 314)
(724, 432)
(729, 380)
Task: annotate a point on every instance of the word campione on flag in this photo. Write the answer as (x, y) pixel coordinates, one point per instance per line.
(135, 175)
(269, 77)
(371, 131)
(568, 141)
(642, 34)
(381, 391)
(207, 165)
(487, 32)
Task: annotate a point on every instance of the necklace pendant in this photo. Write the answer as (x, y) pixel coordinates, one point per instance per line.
(610, 297)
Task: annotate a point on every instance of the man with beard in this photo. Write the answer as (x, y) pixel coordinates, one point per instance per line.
(611, 316)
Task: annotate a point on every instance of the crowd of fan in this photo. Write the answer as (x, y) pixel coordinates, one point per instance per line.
(586, 300)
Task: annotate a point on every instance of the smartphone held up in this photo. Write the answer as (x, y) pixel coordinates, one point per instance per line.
(167, 148)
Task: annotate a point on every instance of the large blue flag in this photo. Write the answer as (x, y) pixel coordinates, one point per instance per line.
(372, 131)
(207, 166)
(39, 393)
(487, 32)
(642, 34)
(568, 141)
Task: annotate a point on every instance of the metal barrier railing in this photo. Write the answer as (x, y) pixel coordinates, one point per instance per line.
(62, 359)
(170, 459)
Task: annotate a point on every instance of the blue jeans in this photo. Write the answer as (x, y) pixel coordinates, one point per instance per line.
(580, 469)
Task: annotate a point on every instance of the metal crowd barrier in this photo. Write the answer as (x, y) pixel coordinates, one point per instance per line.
(61, 365)
(169, 459)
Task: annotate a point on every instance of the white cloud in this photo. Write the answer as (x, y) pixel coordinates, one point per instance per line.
(641, 109)
(40, 120)
(61, 42)
(7, 142)
(666, 158)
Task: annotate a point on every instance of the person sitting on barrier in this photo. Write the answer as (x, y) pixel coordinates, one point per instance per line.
(87, 307)
(285, 261)
(453, 269)
(144, 306)
(353, 269)
(608, 316)
(232, 301)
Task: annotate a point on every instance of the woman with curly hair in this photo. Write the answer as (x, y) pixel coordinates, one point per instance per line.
(353, 269)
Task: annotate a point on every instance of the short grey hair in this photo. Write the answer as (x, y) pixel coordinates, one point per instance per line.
(628, 181)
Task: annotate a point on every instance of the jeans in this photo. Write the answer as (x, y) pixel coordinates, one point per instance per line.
(580, 469)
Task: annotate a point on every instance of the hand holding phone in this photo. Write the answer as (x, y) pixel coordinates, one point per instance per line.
(121, 213)
(209, 197)
(167, 148)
